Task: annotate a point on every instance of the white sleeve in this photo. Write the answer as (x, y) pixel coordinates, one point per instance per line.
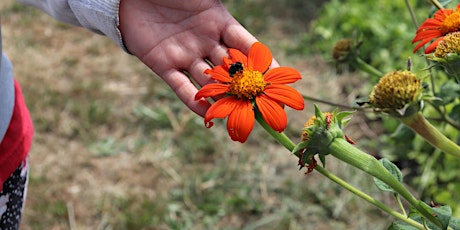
(99, 16)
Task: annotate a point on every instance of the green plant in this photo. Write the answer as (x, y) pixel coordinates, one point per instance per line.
(383, 27)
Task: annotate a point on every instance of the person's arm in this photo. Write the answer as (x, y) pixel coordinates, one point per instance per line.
(99, 16)
(169, 36)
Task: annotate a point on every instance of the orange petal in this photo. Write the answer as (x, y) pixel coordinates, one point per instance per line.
(238, 56)
(433, 45)
(227, 63)
(427, 34)
(442, 14)
(259, 57)
(272, 113)
(422, 43)
(211, 90)
(428, 24)
(282, 75)
(220, 109)
(219, 73)
(286, 95)
(241, 121)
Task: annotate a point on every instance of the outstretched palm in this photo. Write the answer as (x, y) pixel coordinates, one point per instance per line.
(171, 36)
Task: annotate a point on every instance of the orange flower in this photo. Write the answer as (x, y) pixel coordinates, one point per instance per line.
(444, 21)
(247, 84)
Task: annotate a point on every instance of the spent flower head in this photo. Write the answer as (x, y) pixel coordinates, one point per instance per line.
(345, 52)
(396, 92)
(447, 54)
(444, 21)
(449, 46)
(247, 85)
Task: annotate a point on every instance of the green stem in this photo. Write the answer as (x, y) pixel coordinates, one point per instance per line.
(412, 14)
(328, 102)
(445, 117)
(280, 137)
(436, 4)
(368, 198)
(362, 65)
(288, 144)
(346, 152)
(400, 204)
(421, 126)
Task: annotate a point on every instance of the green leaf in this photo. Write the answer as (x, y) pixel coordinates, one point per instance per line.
(403, 132)
(300, 146)
(443, 213)
(322, 158)
(400, 225)
(341, 117)
(454, 223)
(449, 92)
(395, 172)
(455, 113)
(318, 113)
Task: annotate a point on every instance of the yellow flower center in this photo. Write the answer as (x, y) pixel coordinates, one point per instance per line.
(450, 24)
(450, 44)
(247, 84)
(395, 90)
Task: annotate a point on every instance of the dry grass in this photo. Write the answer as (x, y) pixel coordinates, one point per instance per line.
(115, 149)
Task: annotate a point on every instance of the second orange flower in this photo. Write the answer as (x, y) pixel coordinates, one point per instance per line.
(245, 84)
(444, 21)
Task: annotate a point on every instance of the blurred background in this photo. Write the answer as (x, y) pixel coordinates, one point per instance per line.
(115, 149)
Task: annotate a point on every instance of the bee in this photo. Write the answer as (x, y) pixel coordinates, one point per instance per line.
(235, 68)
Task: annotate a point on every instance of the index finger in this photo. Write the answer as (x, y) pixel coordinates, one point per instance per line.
(186, 90)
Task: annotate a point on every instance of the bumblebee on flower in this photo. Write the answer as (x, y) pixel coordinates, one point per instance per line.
(248, 86)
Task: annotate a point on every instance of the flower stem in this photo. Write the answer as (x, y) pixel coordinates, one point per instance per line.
(421, 126)
(412, 13)
(368, 198)
(445, 117)
(328, 102)
(346, 152)
(437, 4)
(280, 137)
(362, 65)
(400, 204)
(288, 144)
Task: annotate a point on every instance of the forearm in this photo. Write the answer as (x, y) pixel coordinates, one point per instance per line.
(99, 16)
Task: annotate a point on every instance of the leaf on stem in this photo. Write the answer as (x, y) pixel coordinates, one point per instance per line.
(394, 170)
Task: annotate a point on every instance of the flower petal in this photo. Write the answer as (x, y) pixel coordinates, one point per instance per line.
(422, 43)
(442, 14)
(211, 90)
(219, 73)
(240, 121)
(220, 109)
(259, 57)
(238, 56)
(272, 113)
(286, 95)
(427, 34)
(429, 24)
(282, 75)
(433, 45)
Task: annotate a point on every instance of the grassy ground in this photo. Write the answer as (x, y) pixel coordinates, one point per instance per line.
(115, 149)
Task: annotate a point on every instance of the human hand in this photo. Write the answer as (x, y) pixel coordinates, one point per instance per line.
(172, 36)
